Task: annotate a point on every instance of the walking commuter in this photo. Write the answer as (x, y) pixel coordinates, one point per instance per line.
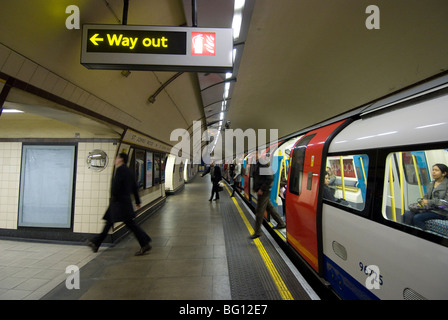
(263, 182)
(236, 177)
(215, 173)
(231, 171)
(120, 207)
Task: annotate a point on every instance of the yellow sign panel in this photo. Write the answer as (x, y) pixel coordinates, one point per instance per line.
(125, 41)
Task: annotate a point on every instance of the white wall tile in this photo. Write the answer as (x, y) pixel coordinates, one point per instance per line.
(4, 54)
(27, 70)
(39, 77)
(13, 64)
(10, 181)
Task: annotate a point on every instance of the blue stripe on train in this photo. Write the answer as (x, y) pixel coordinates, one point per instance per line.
(347, 287)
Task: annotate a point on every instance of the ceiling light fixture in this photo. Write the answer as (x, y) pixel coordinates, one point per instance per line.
(237, 18)
(12, 111)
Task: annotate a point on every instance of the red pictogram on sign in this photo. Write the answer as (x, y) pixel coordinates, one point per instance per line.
(203, 43)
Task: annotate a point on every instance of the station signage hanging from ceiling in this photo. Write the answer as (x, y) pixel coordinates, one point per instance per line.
(124, 47)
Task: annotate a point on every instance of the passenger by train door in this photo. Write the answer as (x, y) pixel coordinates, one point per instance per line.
(303, 214)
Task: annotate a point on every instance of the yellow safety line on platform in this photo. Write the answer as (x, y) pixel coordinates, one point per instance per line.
(278, 232)
(281, 286)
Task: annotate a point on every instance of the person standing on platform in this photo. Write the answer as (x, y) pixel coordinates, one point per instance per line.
(263, 182)
(120, 207)
(215, 173)
(236, 177)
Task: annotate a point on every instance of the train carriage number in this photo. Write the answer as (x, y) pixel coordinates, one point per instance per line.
(374, 279)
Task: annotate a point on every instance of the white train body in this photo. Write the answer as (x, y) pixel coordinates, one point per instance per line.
(411, 263)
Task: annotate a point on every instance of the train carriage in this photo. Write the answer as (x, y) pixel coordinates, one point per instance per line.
(380, 158)
(358, 240)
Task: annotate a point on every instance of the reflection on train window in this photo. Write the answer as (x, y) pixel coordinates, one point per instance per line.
(411, 160)
(348, 186)
(414, 170)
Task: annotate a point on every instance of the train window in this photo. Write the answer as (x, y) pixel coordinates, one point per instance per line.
(411, 160)
(297, 161)
(347, 186)
(409, 195)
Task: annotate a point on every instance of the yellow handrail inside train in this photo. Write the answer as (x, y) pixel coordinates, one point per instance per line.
(363, 171)
(414, 160)
(392, 193)
(400, 166)
(285, 172)
(279, 179)
(342, 177)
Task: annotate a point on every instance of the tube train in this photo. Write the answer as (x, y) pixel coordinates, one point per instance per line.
(353, 235)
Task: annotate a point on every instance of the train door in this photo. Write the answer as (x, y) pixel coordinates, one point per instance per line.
(303, 215)
(243, 176)
(246, 176)
(251, 161)
(275, 161)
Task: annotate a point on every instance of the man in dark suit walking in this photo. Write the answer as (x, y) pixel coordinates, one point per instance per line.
(120, 207)
(216, 176)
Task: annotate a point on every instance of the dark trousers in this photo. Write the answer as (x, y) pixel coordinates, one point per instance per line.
(215, 190)
(236, 185)
(142, 237)
(419, 219)
(283, 206)
(264, 204)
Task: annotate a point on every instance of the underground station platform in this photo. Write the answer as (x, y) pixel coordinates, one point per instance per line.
(201, 250)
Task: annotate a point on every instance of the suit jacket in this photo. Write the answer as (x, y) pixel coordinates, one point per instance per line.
(264, 181)
(216, 175)
(123, 185)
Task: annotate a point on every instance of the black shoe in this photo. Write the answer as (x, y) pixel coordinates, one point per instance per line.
(92, 246)
(143, 250)
(255, 236)
(280, 226)
(210, 199)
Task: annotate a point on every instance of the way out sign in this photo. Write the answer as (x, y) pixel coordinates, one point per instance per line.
(125, 47)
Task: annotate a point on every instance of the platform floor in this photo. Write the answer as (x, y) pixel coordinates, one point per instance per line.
(201, 251)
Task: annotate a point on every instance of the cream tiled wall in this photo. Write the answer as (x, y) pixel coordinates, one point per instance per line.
(92, 191)
(20, 67)
(10, 159)
(92, 188)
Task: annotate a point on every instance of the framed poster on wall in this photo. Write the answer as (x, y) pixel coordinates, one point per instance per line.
(46, 186)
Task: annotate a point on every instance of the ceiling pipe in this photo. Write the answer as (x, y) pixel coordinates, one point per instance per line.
(194, 9)
(125, 73)
(152, 98)
(125, 11)
(194, 13)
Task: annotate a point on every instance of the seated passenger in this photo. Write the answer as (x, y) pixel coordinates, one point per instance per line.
(435, 196)
(331, 176)
(328, 192)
